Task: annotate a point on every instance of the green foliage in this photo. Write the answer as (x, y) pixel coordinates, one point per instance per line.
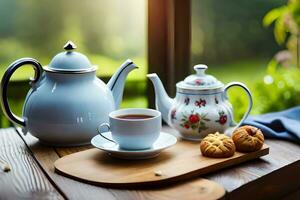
(108, 35)
(136, 102)
(277, 16)
(231, 30)
(294, 6)
(280, 90)
(103, 27)
(273, 89)
(280, 87)
(286, 21)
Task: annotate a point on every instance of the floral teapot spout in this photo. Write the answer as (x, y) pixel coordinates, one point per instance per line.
(201, 105)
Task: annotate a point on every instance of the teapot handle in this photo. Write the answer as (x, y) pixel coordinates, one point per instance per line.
(4, 86)
(244, 87)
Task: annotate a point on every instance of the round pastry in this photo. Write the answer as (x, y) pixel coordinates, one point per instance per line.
(217, 146)
(248, 139)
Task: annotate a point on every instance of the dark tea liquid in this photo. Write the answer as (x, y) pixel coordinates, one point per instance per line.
(134, 116)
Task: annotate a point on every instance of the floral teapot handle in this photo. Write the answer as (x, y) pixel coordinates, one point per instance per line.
(244, 87)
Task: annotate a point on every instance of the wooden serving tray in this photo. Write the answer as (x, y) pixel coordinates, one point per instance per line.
(182, 161)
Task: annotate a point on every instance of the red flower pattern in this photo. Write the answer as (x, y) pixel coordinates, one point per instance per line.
(198, 82)
(186, 126)
(194, 121)
(200, 103)
(194, 118)
(222, 118)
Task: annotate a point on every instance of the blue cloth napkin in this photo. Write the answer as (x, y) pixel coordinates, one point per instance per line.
(281, 125)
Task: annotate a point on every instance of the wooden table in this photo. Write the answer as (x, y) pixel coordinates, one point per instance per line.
(274, 176)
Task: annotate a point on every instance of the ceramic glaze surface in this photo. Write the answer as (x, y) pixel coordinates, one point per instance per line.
(164, 141)
(196, 115)
(134, 134)
(201, 105)
(62, 110)
(67, 101)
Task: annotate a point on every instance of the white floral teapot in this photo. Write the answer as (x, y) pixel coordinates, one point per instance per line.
(201, 105)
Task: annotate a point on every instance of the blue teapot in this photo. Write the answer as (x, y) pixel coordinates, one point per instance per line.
(66, 101)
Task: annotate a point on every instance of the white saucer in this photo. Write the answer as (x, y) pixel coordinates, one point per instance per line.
(165, 140)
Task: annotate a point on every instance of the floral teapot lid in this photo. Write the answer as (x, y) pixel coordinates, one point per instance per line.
(70, 61)
(200, 80)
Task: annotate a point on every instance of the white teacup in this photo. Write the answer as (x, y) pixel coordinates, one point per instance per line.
(133, 128)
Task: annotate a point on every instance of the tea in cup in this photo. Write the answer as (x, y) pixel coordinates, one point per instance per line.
(133, 128)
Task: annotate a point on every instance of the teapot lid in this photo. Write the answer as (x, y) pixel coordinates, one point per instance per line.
(70, 61)
(200, 80)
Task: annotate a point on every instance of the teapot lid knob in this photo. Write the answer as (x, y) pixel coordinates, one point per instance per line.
(200, 80)
(200, 69)
(69, 46)
(70, 61)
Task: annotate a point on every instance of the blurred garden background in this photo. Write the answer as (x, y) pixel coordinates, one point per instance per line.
(255, 42)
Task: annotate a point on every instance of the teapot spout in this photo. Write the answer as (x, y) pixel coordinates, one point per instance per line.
(162, 100)
(117, 81)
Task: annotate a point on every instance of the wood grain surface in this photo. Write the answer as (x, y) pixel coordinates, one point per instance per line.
(182, 161)
(25, 180)
(77, 190)
(282, 153)
(71, 189)
(243, 181)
